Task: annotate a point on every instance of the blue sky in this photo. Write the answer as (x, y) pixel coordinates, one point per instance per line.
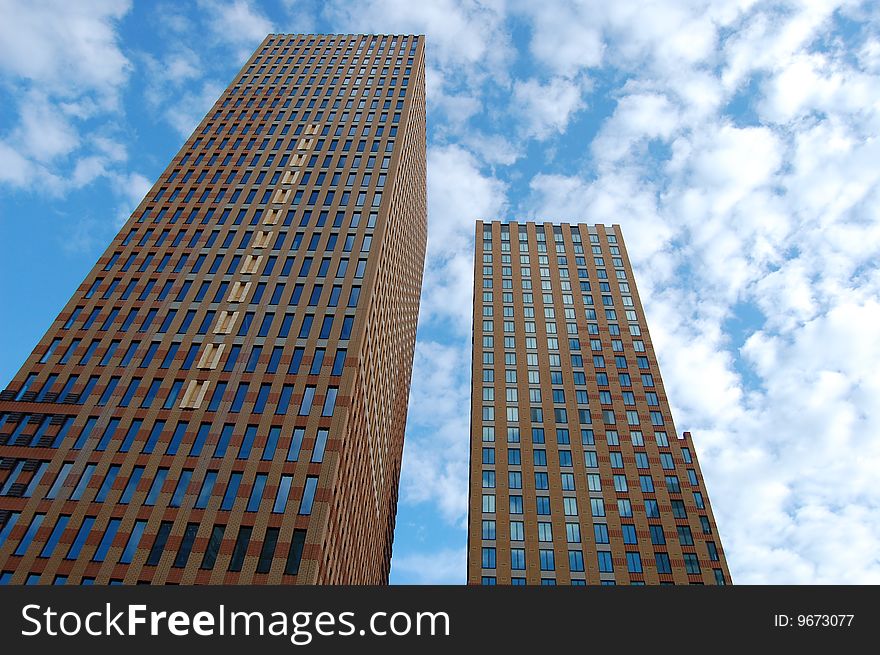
(737, 143)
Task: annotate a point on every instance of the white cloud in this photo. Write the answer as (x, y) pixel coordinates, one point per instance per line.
(446, 566)
(638, 118)
(43, 132)
(15, 169)
(456, 32)
(467, 48)
(238, 23)
(68, 48)
(548, 107)
(780, 214)
(566, 38)
(63, 63)
(436, 446)
(458, 195)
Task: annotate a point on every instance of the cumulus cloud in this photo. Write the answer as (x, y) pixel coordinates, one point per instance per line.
(237, 23)
(780, 214)
(436, 446)
(437, 567)
(63, 65)
(547, 108)
(67, 48)
(735, 143)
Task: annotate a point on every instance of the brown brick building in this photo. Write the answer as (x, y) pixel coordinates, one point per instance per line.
(223, 399)
(577, 474)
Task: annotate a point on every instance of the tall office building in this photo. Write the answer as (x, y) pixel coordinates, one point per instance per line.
(577, 474)
(223, 399)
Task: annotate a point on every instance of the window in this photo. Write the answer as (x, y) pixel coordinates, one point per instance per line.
(264, 564)
(488, 558)
(107, 484)
(156, 486)
(79, 541)
(294, 555)
(663, 563)
(239, 399)
(213, 547)
(106, 540)
(240, 549)
(329, 401)
(257, 492)
(634, 562)
(133, 479)
(137, 531)
(205, 492)
(691, 563)
(308, 498)
(231, 491)
(180, 489)
(306, 404)
(518, 559)
(54, 537)
(83, 482)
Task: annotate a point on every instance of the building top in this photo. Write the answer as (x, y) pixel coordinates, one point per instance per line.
(336, 34)
(557, 225)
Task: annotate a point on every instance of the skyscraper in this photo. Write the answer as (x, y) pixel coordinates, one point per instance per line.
(577, 473)
(223, 399)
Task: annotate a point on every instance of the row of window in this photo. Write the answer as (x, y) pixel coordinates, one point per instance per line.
(546, 558)
(624, 508)
(225, 291)
(151, 261)
(130, 358)
(332, 146)
(624, 380)
(322, 179)
(302, 66)
(591, 460)
(148, 317)
(588, 438)
(261, 405)
(305, 81)
(209, 487)
(567, 480)
(284, 119)
(584, 416)
(581, 396)
(601, 534)
(179, 559)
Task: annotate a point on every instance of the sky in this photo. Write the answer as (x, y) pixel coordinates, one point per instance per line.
(737, 143)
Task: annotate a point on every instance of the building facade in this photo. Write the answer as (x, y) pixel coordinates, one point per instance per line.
(577, 474)
(223, 399)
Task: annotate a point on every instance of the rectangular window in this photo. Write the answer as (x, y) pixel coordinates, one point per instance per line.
(294, 555)
(106, 540)
(137, 531)
(240, 550)
(180, 490)
(159, 543)
(79, 541)
(131, 486)
(308, 498)
(231, 491)
(267, 552)
(54, 537)
(256, 496)
(213, 547)
(156, 487)
(186, 544)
